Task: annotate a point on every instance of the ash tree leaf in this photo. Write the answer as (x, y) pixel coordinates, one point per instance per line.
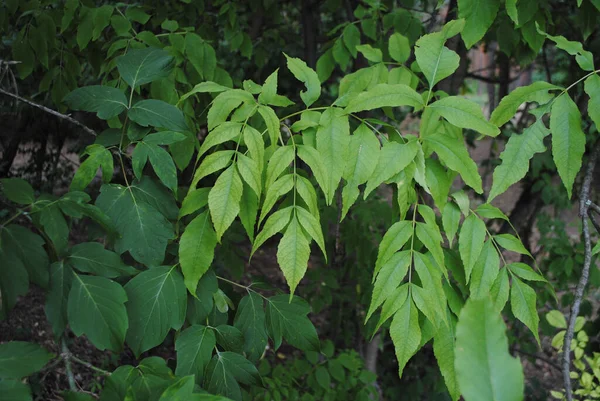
(405, 333)
(351, 38)
(161, 162)
(230, 338)
(429, 235)
(164, 138)
(370, 53)
(224, 200)
(224, 104)
(96, 308)
(91, 257)
(61, 278)
(269, 93)
(556, 319)
(439, 181)
(98, 156)
(399, 47)
(156, 303)
(156, 113)
(393, 158)
(194, 348)
(479, 16)
(512, 11)
(14, 282)
(388, 279)
(211, 164)
(393, 240)
(313, 159)
(312, 227)
(385, 95)
(55, 226)
(470, 242)
(194, 201)
(592, 88)
(525, 272)
(250, 321)
(26, 252)
(15, 390)
(141, 66)
(516, 155)
(464, 113)
(484, 368)
(204, 87)
(197, 249)
(453, 153)
(293, 252)
(332, 144)
(278, 162)
(394, 302)
(287, 319)
(144, 231)
(274, 224)
(17, 190)
(500, 290)
(227, 131)
(485, 271)
(105, 101)
(450, 221)
(522, 304)
(224, 372)
(508, 106)
(249, 211)
(511, 243)
(181, 390)
(250, 172)
(584, 58)
(201, 55)
(443, 349)
(278, 189)
(488, 211)
(568, 139)
(19, 359)
(308, 76)
(271, 121)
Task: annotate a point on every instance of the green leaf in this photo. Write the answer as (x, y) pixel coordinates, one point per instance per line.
(525, 272)
(250, 320)
(292, 253)
(14, 390)
(144, 231)
(98, 156)
(96, 308)
(279, 188)
(568, 140)
(405, 333)
(500, 290)
(312, 227)
(313, 159)
(157, 303)
(91, 257)
(372, 54)
(181, 390)
(230, 338)
(287, 318)
(274, 224)
(194, 348)
(308, 194)
(105, 101)
(511, 10)
(453, 153)
(224, 372)
(522, 304)
(332, 145)
(508, 106)
(439, 181)
(393, 158)
(443, 349)
(224, 104)
(25, 251)
(470, 242)
(224, 200)
(197, 249)
(516, 155)
(351, 38)
(61, 278)
(464, 113)
(101, 20)
(271, 121)
(164, 138)
(278, 162)
(389, 278)
(484, 368)
(269, 93)
(161, 161)
(450, 221)
(479, 16)
(511, 243)
(17, 190)
(204, 87)
(250, 172)
(323, 378)
(394, 239)
(309, 77)
(385, 95)
(194, 201)
(556, 319)
(394, 302)
(399, 47)
(19, 359)
(201, 54)
(485, 271)
(488, 211)
(584, 58)
(212, 163)
(592, 88)
(156, 113)
(141, 66)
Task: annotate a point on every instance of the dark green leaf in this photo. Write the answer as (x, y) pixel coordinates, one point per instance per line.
(156, 113)
(141, 66)
(194, 349)
(19, 359)
(288, 319)
(105, 101)
(17, 190)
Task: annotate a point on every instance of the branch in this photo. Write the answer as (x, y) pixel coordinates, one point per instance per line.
(584, 204)
(50, 111)
(594, 221)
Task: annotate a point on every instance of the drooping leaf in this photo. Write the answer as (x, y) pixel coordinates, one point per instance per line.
(443, 349)
(286, 318)
(141, 66)
(25, 249)
(385, 95)
(224, 372)
(484, 368)
(224, 104)
(161, 162)
(508, 106)
(450, 221)
(194, 201)
(156, 113)
(17, 190)
(156, 303)
(230, 338)
(274, 224)
(389, 278)
(194, 348)
(196, 249)
(105, 101)
(312, 227)
(181, 390)
(479, 16)
(522, 304)
(202, 56)
(405, 333)
(393, 158)
(61, 278)
(250, 320)
(584, 58)
(269, 93)
(372, 54)
(470, 242)
(250, 172)
(279, 188)
(592, 88)
(96, 308)
(399, 47)
(292, 253)
(568, 139)
(439, 181)
(465, 114)
(305, 74)
(500, 290)
(98, 156)
(394, 239)
(91, 257)
(524, 271)
(224, 200)
(511, 243)
(19, 359)
(485, 271)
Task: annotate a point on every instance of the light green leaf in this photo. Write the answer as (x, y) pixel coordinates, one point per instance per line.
(393, 302)
(96, 308)
(393, 158)
(429, 234)
(484, 368)
(385, 95)
(98, 156)
(516, 155)
(500, 290)
(204, 87)
(18, 190)
(439, 181)
(388, 279)
(488, 211)
(312, 227)
(479, 16)
(351, 38)
(157, 303)
(269, 93)
(286, 318)
(161, 161)
(450, 221)
(248, 210)
(405, 333)
(470, 242)
(194, 201)
(511, 243)
(536, 92)
(485, 271)
(511, 10)
(568, 140)
(202, 56)
(156, 113)
(250, 320)
(105, 101)
(305, 74)
(525, 272)
(278, 162)
(292, 254)
(19, 359)
(464, 113)
(91, 257)
(394, 239)
(399, 47)
(224, 104)
(274, 224)
(196, 250)
(141, 66)
(372, 54)
(279, 188)
(522, 304)
(584, 58)
(250, 172)
(443, 349)
(313, 159)
(308, 194)
(592, 88)
(463, 202)
(556, 319)
(271, 121)
(194, 348)
(256, 146)
(453, 153)
(224, 200)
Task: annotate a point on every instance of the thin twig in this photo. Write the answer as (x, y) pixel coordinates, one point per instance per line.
(594, 221)
(584, 204)
(594, 207)
(70, 377)
(89, 365)
(50, 111)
